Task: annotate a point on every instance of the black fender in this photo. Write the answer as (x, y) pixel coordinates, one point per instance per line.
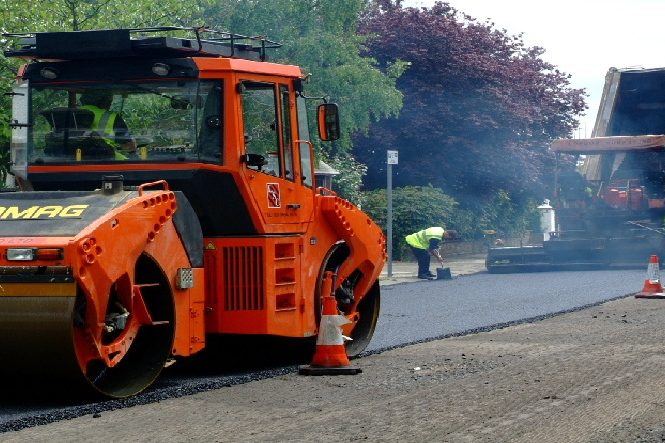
(186, 223)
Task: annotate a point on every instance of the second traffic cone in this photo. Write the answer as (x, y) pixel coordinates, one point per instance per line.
(652, 287)
(330, 356)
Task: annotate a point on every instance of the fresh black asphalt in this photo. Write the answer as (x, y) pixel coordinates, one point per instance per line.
(416, 312)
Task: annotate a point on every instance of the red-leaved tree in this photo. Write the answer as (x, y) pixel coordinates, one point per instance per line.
(480, 108)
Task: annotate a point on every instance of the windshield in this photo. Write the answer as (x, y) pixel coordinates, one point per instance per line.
(151, 121)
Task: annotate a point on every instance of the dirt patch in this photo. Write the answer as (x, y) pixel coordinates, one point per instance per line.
(590, 376)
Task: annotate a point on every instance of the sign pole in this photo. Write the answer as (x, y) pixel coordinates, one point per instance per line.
(392, 160)
(389, 219)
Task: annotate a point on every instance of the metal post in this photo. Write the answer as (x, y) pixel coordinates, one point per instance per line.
(391, 160)
(389, 219)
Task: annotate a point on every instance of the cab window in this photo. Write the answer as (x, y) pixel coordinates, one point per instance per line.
(286, 130)
(303, 144)
(262, 135)
(169, 121)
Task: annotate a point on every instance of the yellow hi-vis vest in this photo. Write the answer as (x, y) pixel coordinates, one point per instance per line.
(421, 239)
(103, 121)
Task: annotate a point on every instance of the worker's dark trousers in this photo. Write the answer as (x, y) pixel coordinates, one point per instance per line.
(423, 260)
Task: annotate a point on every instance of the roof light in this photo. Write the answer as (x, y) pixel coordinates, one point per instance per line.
(161, 69)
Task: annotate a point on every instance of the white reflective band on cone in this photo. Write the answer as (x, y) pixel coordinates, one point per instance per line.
(330, 332)
(653, 273)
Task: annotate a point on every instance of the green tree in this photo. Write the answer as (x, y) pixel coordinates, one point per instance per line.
(77, 15)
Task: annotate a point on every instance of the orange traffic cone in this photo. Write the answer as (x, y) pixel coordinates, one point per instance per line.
(330, 356)
(652, 287)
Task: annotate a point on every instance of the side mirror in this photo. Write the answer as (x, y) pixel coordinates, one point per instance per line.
(328, 118)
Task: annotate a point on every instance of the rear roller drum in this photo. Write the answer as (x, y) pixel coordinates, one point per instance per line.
(55, 338)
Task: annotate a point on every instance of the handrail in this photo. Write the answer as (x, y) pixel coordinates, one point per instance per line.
(158, 182)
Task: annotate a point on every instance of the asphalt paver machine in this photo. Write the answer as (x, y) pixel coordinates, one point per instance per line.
(610, 212)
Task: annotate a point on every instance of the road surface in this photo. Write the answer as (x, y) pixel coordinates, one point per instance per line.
(391, 379)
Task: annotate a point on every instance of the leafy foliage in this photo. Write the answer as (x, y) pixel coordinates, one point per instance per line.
(349, 182)
(480, 108)
(77, 15)
(501, 214)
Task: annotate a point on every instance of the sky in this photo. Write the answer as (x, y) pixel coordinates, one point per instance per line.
(583, 38)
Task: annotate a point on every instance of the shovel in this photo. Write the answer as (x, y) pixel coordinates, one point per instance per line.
(443, 274)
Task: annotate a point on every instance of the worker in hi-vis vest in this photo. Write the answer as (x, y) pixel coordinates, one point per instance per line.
(425, 244)
(108, 124)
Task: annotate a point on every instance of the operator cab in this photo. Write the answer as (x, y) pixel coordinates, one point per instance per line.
(202, 114)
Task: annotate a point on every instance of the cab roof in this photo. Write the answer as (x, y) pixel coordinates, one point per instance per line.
(157, 42)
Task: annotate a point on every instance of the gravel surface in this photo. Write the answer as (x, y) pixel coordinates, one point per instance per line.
(593, 375)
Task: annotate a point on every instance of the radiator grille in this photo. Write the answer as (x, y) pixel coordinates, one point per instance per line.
(243, 278)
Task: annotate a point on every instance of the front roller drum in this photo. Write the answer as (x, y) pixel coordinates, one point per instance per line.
(46, 337)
